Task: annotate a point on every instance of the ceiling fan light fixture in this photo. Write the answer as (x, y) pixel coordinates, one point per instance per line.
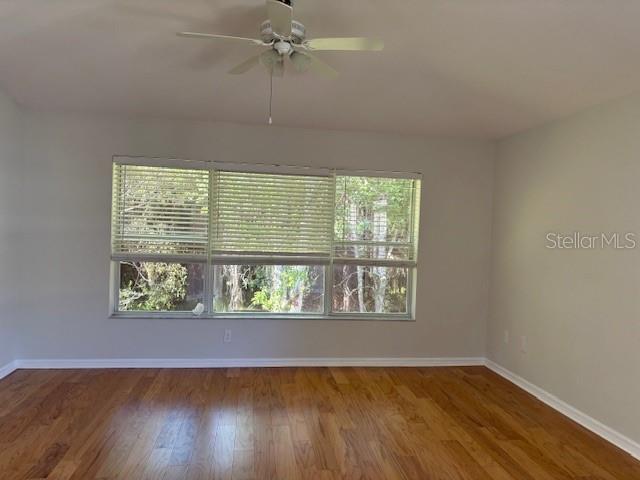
(283, 48)
(285, 37)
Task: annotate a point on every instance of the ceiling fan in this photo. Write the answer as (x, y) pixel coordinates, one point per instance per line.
(286, 38)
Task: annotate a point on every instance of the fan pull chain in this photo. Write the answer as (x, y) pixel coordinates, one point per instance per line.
(270, 96)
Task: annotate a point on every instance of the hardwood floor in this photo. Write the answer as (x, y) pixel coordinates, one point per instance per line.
(290, 423)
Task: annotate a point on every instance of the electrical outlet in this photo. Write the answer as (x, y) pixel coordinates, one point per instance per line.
(506, 337)
(227, 336)
(523, 344)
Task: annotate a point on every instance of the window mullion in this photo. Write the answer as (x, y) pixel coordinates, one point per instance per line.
(115, 286)
(328, 269)
(209, 270)
(240, 259)
(372, 262)
(157, 257)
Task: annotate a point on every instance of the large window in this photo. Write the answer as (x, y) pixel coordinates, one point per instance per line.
(228, 240)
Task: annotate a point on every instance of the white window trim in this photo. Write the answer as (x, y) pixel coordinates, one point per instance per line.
(212, 259)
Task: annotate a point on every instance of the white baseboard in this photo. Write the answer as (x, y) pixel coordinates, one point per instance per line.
(247, 362)
(8, 369)
(608, 433)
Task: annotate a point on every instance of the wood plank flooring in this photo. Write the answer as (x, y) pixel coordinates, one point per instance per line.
(290, 423)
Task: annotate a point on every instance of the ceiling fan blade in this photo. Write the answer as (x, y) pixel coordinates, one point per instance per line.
(353, 44)
(280, 15)
(321, 68)
(273, 62)
(278, 69)
(300, 61)
(210, 36)
(245, 66)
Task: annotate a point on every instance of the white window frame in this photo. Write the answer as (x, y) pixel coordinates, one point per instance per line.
(212, 259)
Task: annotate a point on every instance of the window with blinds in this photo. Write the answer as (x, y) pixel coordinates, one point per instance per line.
(212, 239)
(271, 214)
(159, 210)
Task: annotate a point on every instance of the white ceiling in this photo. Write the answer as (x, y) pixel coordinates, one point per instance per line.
(483, 68)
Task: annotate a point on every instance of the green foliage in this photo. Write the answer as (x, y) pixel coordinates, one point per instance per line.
(270, 288)
(358, 199)
(151, 286)
(284, 290)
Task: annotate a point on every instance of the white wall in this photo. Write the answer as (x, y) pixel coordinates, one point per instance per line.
(10, 186)
(67, 208)
(579, 309)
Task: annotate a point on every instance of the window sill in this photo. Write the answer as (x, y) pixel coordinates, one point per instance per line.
(244, 316)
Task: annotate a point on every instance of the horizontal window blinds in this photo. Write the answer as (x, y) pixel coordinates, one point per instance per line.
(272, 214)
(159, 210)
(376, 218)
(193, 212)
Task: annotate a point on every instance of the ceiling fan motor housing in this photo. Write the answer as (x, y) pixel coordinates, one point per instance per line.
(298, 32)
